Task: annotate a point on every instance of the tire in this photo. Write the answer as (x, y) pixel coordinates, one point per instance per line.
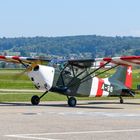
(35, 100)
(72, 102)
(121, 101)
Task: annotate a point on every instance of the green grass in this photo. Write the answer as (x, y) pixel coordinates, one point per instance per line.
(9, 79)
(26, 97)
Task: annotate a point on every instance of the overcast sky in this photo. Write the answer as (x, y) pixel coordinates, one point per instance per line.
(30, 18)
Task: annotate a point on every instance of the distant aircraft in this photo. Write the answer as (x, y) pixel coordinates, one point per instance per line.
(79, 78)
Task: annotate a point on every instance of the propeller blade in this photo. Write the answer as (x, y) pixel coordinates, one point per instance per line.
(28, 69)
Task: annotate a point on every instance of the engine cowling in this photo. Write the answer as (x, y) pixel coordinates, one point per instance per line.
(42, 76)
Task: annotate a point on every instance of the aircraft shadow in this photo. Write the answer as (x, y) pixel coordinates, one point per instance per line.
(80, 105)
(85, 105)
(14, 104)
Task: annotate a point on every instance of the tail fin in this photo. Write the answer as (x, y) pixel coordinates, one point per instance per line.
(124, 75)
(128, 81)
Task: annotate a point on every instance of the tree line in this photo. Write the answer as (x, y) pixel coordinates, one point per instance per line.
(96, 46)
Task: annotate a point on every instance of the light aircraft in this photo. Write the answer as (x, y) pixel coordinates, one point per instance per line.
(79, 78)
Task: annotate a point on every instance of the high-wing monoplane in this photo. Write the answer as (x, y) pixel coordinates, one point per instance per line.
(79, 78)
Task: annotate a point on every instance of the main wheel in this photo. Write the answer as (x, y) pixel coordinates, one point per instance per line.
(72, 102)
(35, 100)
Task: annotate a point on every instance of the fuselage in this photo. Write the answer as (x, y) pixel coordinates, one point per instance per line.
(74, 83)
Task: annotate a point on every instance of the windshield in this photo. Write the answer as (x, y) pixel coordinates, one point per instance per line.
(57, 63)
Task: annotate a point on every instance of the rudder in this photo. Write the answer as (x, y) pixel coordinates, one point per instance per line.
(124, 75)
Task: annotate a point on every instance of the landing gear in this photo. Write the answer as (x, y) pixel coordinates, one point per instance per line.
(121, 100)
(36, 99)
(72, 101)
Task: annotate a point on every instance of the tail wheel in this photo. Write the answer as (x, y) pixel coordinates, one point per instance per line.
(121, 100)
(72, 102)
(35, 100)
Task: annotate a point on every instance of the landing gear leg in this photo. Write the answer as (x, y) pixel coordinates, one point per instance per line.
(72, 101)
(36, 99)
(121, 100)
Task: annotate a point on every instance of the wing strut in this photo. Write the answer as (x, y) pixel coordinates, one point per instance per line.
(86, 78)
(25, 65)
(99, 73)
(95, 70)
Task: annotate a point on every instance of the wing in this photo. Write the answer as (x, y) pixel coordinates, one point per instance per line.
(124, 60)
(25, 60)
(81, 63)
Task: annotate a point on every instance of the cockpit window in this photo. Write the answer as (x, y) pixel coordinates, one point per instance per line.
(58, 64)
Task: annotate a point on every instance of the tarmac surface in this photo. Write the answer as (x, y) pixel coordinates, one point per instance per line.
(89, 120)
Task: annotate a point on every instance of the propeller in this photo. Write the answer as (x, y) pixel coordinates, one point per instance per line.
(31, 64)
(27, 69)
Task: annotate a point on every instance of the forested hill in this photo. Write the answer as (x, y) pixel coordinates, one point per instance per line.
(81, 46)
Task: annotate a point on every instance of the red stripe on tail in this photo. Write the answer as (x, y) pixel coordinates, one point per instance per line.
(128, 80)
